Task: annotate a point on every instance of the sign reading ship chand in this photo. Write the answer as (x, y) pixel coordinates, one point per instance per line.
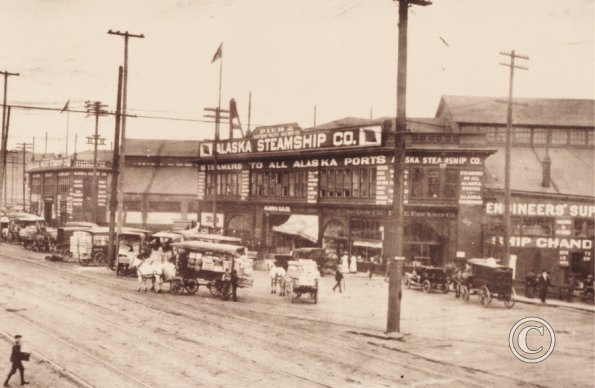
(297, 140)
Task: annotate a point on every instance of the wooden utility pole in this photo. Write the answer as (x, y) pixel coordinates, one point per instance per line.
(4, 138)
(5, 154)
(95, 108)
(510, 103)
(314, 115)
(126, 36)
(113, 199)
(394, 238)
(249, 112)
(24, 147)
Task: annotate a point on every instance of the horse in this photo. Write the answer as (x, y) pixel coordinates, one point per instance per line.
(153, 270)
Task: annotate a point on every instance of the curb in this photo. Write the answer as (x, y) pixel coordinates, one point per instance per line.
(586, 308)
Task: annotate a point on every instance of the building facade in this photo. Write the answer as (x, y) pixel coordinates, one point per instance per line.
(552, 180)
(331, 186)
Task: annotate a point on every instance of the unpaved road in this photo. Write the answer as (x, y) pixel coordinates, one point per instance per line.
(89, 328)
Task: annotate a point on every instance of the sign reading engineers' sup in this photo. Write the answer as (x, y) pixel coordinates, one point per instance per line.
(298, 140)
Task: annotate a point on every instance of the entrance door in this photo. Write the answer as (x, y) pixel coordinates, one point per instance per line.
(422, 240)
(48, 209)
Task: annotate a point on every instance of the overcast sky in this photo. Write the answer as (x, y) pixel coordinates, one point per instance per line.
(292, 54)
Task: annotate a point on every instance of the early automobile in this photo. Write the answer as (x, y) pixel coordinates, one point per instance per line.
(421, 274)
(489, 280)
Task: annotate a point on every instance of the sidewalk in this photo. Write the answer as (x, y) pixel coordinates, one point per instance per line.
(557, 303)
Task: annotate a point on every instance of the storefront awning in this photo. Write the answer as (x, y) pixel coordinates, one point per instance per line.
(305, 226)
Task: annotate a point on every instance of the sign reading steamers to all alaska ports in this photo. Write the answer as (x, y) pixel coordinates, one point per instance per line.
(291, 138)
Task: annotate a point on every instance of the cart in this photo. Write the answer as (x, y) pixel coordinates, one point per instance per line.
(489, 280)
(204, 263)
(302, 279)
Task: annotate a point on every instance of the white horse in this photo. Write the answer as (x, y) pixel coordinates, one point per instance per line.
(153, 270)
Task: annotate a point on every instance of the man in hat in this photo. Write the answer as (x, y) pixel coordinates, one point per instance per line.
(17, 358)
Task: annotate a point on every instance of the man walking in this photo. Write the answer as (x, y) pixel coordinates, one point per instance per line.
(543, 282)
(17, 358)
(234, 285)
(338, 279)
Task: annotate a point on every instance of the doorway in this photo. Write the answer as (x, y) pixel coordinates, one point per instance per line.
(48, 210)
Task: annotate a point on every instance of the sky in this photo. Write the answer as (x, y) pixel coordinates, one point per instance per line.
(337, 55)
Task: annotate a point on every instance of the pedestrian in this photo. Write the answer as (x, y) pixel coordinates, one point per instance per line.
(543, 282)
(234, 285)
(16, 358)
(338, 279)
(372, 266)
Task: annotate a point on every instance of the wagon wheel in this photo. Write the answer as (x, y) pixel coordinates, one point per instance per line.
(213, 289)
(176, 287)
(225, 291)
(426, 286)
(84, 262)
(191, 285)
(99, 258)
(485, 298)
(445, 287)
(464, 293)
(406, 283)
(509, 301)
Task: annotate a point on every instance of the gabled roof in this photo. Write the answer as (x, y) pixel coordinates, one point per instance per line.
(162, 147)
(537, 111)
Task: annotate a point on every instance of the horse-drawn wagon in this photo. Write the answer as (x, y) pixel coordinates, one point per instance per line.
(206, 263)
(302, 279)
(489, 279)
(420, 274)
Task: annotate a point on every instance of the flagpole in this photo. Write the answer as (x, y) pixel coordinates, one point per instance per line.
(217, 122)
(67, 123)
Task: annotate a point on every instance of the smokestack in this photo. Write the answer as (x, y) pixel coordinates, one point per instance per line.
(546, 171)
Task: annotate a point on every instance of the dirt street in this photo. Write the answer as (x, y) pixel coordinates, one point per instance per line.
(86, 327)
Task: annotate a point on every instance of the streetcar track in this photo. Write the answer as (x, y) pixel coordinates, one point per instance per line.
(110, 284)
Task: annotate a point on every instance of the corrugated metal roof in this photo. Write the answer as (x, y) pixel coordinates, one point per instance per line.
(571, 170)
(414, 124)
(537, 111)
(161, 147)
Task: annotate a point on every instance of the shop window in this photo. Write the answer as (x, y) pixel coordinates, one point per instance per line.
(87, 187)
(365, 229)
(348, 183)
(434, 183)
(537, 226)
(521, 136)
(559, 137)
(539, 137)
(49, 184)
(577, 137)
(590, 137)
(584, 228)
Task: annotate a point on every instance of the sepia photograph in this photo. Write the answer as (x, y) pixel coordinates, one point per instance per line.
(297, 193)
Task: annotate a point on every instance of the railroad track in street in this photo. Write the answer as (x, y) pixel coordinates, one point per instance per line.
(161, 305)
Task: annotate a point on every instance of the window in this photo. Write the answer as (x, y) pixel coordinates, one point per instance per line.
(49, 184)
(348, 183)
(222, 183)
(35, 185)
(589, 137)
(532, 226)
(63, 184)
(539, 137)
(164, 206)
(577, 137)
(434, 183)
(559, 137)
(290, 183)
(365, 229)
(584, 227)
(521, 136)
(132, 205)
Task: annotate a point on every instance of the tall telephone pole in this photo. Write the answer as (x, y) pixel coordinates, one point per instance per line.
(394, 251)
(126, 36)
(95, 108)
(24, 148)
(512, 55)
(4, 139)
(113, 198)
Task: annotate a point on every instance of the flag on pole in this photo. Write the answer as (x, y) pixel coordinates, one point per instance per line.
(65, 106)
(218, 54)
(234, 117)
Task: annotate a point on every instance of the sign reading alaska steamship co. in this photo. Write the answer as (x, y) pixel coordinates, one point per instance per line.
(292, 138)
